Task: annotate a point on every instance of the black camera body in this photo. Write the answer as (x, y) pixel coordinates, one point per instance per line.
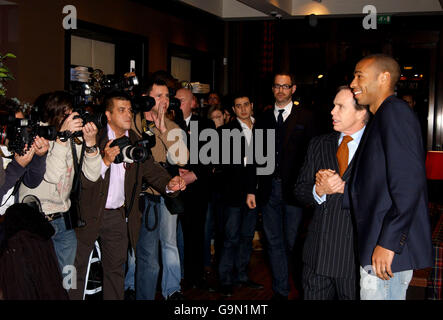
(129, 153)
(22, 132)
(99, 119)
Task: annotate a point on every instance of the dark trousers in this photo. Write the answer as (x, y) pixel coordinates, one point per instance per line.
(280, 223)
(113, 240)
(239, 230)
(319, 287)
(214, 229)
(193, 226)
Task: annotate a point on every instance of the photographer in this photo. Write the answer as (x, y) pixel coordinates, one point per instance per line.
(54, 191)
(109, 206)
(15, 166)
(28, 168)
(158, 223)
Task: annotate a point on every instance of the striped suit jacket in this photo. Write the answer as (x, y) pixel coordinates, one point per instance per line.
(329, 245)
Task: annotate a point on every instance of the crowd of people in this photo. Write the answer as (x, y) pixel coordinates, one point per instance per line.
(365, 182)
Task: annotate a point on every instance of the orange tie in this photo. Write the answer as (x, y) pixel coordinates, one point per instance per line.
(343, 154)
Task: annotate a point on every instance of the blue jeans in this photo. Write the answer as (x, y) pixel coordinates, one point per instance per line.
(130, 274)
(181, 247)
(65, 244)
(374, 288)
(237, 247)
(280, 223)
(147, 263)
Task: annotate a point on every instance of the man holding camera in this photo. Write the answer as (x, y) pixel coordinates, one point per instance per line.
(108, 206)
(159, 223)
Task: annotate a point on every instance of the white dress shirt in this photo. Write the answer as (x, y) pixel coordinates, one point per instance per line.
(286, 113)
(116, 189)
(248, 135)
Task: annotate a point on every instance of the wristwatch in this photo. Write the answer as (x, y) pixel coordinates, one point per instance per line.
(92, 149)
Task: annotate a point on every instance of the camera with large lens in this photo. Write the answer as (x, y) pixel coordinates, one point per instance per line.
(21, 133)
(129, 153)
(111, 82)
(142, 103)
(99, 119)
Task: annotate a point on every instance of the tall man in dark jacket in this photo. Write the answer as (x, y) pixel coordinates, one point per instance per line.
(239, 221)
(109, 206)
(281, 214)
(388, 190)
(329, 263)
(196, 175)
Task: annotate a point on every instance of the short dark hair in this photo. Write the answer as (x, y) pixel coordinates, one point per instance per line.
(108, 101)
(240, 94)
(386, 63)
(147, 87)
(357, 106)
(9, 106)
(284, 73)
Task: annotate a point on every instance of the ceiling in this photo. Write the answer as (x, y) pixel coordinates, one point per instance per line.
(260, 9)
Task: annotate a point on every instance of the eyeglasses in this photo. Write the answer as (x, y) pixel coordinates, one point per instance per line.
(282, 86)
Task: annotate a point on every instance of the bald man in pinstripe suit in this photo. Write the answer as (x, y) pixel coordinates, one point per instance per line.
(329, 262)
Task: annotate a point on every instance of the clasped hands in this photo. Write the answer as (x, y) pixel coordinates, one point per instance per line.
(328, 181)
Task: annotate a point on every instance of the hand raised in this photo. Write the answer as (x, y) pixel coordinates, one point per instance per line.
(40, 146)
(110, 153)
(25, 159)
(90, 134)
(71, 124)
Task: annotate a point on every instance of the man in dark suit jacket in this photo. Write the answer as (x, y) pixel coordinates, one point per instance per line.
(239, 221)
(196, 175)
(388, 190)
(330, 268)
(293, 127)
(110, 206)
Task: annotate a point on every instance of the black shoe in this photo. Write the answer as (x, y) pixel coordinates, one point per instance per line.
(250, 284)
(177, 295)
(129, 294)
(279, 297)
(226, 290)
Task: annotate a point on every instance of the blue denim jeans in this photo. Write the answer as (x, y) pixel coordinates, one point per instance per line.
(65, 244)
(374, 288)
(130, 274)
(280, 223)
(147, 259)
(237, 247)
(181, 247)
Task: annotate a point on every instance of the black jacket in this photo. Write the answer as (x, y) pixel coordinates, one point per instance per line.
(299, 129)
(234, 176)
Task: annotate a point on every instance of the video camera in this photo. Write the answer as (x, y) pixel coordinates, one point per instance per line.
(21, 133)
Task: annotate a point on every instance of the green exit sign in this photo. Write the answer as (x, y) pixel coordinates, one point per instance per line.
(384, 19)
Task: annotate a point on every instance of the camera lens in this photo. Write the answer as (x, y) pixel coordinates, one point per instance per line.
(137, 154)
(144, 103)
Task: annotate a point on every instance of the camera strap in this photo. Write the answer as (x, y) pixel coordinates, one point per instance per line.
(77, 168)
(14, 191)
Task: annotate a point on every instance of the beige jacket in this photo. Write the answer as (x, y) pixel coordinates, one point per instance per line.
(176, 149)
(56, 186)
